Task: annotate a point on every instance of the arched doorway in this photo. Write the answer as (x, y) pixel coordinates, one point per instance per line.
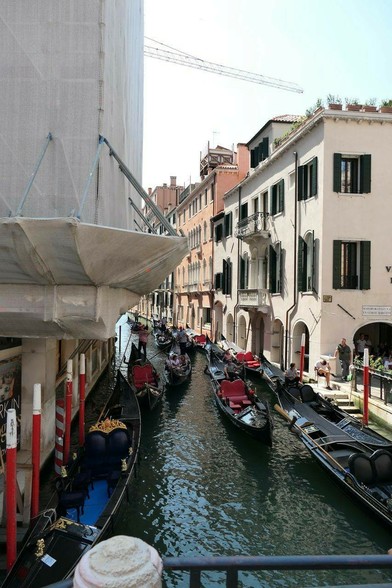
(241, 338)
(298, 330)
(378, 336)
(277, 342)
(258, 328)
(230, 328)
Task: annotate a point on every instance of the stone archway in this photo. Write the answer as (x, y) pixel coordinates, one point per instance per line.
(379, 334)
(298, 330)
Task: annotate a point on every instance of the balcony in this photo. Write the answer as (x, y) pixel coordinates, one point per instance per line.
(256, 226)
(254, 299)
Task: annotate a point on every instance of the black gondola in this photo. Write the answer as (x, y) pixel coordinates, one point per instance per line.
(163, 340)
(176, 375)
(144, 379)
(363, 472)
(85, 506)
(239, 403)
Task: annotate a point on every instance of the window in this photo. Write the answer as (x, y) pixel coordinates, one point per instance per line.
(259, 153)
(207, 315)
(307, 180)
(352, 173)
(218, 281)
(351, 265)
(205, 232)
(226, 277)
(205, 197)
(244, 271)
(277, 197)
(228, 224)
(306, 263)
(218, 232)
(275, 268)
(244, 211)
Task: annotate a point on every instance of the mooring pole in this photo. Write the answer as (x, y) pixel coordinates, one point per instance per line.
(82, 396)
(36, 450)
(68, 412)
(366, 386)
(10, 483)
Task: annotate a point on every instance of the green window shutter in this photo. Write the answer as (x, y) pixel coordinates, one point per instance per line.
(301, 271)
(337, 172)
(229, 279)
(313, 187)
(337, 261)
(314, 261)
(281, 195)
(364, 278)
(272, 269)
(301, 183)
(242, 273)
(224, 281)
(366, 168)
(281, 270)
(253, 158)
(272, 200)
(265, 148)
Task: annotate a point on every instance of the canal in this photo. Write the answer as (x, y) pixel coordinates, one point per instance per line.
(204, 488)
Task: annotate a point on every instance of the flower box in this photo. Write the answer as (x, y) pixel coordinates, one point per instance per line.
(354, 107)
(335, 106)
(369, 108)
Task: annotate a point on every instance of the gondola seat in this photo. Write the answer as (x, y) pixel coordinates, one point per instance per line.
(104, 451)
(382, 465)
(117, 447)
(142, 375)
(308, 395)
(248, 359)
(362, 468)
(70, 501)
(231, 388)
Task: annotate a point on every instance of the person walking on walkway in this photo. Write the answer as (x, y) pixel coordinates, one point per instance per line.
(343, 352)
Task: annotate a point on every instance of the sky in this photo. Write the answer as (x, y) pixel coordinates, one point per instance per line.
(339, 47)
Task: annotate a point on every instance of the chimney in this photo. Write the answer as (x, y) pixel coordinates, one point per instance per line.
(173, 181)
(149, 191)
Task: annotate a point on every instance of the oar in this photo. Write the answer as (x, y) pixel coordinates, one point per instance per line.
(284, 414)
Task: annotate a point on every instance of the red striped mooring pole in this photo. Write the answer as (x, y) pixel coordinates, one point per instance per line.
(365, 386)
(68, 412)
(11, 441)
(36, 450)
(302, 357)
(59, 443)
(82, 396)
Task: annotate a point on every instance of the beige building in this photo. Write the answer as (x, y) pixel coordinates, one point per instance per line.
(310, 248)
(220, 170)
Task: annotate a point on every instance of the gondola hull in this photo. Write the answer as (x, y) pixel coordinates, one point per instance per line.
(144, 380)
(60, 535)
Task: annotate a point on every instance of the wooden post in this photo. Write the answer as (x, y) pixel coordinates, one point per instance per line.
(11, 440)
(36, 450)
(302, 358)
(68, 412)
(82, 396)
(366, 386)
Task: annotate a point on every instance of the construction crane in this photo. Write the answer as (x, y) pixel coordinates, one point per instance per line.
(176, 56)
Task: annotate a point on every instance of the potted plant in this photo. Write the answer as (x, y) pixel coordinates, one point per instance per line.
(353, 104)
(370, 105)
(334, 102)
(386, 106)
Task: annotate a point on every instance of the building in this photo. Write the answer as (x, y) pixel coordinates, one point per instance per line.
(72, 106)
(220, 170)
(309, 254)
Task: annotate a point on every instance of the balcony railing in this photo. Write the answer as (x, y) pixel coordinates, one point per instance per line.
(254, 298)
(258, 224)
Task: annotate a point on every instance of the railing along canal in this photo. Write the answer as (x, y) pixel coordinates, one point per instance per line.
(232, 565)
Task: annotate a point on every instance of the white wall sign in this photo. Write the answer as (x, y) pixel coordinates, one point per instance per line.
(368, 310)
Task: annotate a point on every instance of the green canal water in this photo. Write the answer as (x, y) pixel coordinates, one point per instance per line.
(204, 488)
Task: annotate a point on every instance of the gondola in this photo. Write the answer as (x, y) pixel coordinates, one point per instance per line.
(163, 339)
(86, 503)
(144, 380)
(190, 344)
(364, 472)
(252, 363)
(239, 403)
(177, 375)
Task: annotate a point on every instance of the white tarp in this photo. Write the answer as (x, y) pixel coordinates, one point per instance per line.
(66, 279)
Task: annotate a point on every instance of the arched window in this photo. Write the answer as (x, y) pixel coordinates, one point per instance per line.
(205, 232)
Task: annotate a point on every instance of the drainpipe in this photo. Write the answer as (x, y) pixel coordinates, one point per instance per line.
(295, 293)
(238, 270)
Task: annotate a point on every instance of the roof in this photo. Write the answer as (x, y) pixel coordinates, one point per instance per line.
(282, 118)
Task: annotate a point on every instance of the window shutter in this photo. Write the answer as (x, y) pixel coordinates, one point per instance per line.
(281, 195)
(253, 158)
(278, 252)
(364, 279)
(242, 273)
(313, 254)
(313, 188)
(337, 261)
(337, 172)
(301, 265)
(272, 269)
(366, 165)
(224, 284)
(272, 200)
(229, 274)
(265, 148)
(301, 182)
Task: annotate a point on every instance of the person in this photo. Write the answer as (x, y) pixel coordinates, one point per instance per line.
(324, 370)
(175, 361)
(360, 345)
(230, 370)
(343, 352)
(291, 376)
(143, 336)
(163, 323)
(182, 340)
(136, 315)
(368, 343)
(227, 356)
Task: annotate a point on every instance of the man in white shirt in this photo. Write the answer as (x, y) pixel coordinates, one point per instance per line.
(324, 370)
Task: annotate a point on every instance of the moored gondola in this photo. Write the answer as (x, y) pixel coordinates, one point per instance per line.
(178, 367)
(364, 472)
(238, 402)
(144, 379)
(88, 496)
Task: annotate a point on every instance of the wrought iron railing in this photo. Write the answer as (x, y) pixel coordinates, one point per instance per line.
(233, 565)
(256, 224)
